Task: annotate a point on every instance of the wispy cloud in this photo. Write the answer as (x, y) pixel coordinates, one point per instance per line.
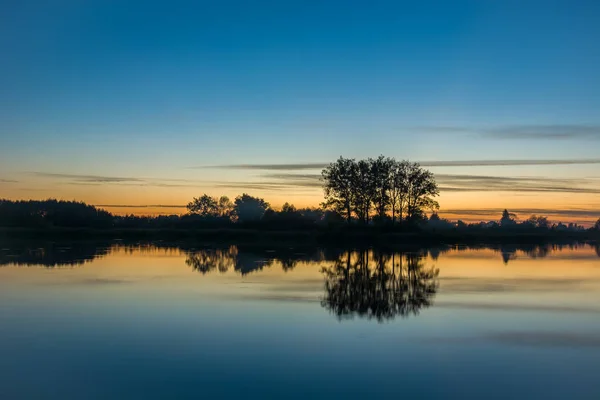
(545, 339)
(8, 181)
(267, 167)
(89, 178)
(576, 212)
(462, 183)
(448, 163)
(516, 307)
(533, 338)
(467, 183)
(500, 163)
(548, 131)
(92, 180)
(141, 205)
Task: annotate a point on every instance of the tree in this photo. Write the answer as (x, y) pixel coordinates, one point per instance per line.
(288, 208)
(355, 188)
(538, 222)
(421, 190)
(205, 206)
(248, 208)
(508, 219)
(381, 170)
(364, 189)
(225, 206)
(398, 188)
(339, 179)
(597, 225)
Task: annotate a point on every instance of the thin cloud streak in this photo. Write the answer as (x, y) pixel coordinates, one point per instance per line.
(141, 206)
(457, 163)
(88, 178)
(481, 212)
(97, 180)
(8, 181)
(556, 131)
(468, 183)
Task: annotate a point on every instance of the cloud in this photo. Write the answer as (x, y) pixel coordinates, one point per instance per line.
(508, 163)
(276, 167)
(549, 131)
(141, 206)
(577, 212)
(451, 163)
(516, 307)
(93, 180)
(534, 338)
(252, 186)
(300, 177)
(464, 183)
(545, 132)
(8, 181)
(528, 285)
(88, 178)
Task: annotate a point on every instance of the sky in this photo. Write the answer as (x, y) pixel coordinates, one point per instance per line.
(150, 103)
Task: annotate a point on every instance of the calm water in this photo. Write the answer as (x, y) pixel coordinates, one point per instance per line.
(107, 321)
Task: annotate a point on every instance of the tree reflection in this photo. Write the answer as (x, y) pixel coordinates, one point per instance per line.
(249, 259)
(52, 254)
(379, 285)
(208, 260)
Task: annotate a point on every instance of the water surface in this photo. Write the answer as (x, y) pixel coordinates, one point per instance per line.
(108, 320)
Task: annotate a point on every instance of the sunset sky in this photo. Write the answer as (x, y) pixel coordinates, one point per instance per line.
(149, 103)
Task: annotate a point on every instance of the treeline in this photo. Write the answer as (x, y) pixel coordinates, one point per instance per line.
(203, 212)
(509, 222)
(381, 192)
(51, 212)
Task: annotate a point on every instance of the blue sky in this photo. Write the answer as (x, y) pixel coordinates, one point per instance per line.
(153, 88)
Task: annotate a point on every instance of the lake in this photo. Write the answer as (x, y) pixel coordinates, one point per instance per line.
(111, 320)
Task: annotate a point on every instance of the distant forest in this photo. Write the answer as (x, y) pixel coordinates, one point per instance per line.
(381, 192)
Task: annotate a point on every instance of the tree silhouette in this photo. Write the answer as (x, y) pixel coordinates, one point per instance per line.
(382, 291)
(225, 207)
(381, 170)
(52, 213)
(339, 179)
(204, 205)
(356, 187)
(248, 208)
(536, 221)
(421, 190)
(507, 219)
(398, 188)
(288, 208)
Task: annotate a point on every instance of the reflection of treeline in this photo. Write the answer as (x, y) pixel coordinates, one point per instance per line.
(247, 259)
(52, 254)
(243, 259)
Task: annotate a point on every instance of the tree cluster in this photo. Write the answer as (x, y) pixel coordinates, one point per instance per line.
(52, 213)
(381, 189)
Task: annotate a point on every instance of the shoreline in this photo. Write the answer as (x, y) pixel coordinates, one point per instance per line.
(321, 236)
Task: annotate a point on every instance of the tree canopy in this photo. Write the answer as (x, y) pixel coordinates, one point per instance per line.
(383, 185)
